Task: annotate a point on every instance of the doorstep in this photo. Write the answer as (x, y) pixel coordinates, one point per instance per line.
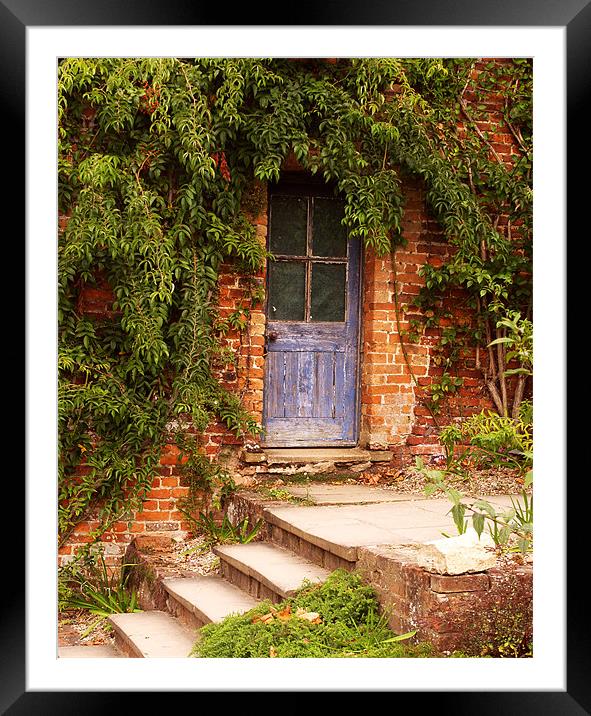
(278, 456)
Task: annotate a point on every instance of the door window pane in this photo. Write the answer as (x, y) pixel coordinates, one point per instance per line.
(287, 290)
(329, 236)
(328, 292)
(289, 217)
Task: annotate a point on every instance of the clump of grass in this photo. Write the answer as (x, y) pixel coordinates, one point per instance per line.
(276, 493)
(337, 619)
(225, 532)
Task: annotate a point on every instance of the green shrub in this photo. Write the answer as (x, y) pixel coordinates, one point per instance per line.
(487, 439)
(337, 619)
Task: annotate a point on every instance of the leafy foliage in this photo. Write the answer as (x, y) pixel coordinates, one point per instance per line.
(158, 160)
(225, 532)
(488, 439)
(484, 203)
(510, 528)
(91, 586)
(338, 619)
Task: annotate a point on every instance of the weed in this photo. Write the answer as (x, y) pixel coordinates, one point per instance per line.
(226, 532)
(507, 527)
(276, 493)
(487, 439)
(93, 588)
(306, 478)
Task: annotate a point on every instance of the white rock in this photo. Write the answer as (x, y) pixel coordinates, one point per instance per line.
(458, 555)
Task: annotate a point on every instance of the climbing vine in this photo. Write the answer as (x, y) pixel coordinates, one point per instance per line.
(491, 232)
(158, 158)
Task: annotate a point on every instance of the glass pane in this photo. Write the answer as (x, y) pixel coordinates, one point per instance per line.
(287, 284)
(289, 216)
(329, 236)
(328, 292)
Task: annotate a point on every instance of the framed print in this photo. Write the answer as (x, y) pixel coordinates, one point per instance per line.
(34, 36)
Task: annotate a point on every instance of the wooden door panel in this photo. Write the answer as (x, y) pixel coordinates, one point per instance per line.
(307, 336)
(340, 381)
(311, 432)
(305, 384)
(275, 385)
(324, 386)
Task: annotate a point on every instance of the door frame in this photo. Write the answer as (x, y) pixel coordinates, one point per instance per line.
(304, 184)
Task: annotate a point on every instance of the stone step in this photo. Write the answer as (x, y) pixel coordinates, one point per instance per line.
(332, 534)
(91, 651)
(285, 456)
(151, 634)
(200, 599)
(267, 571)
(322, 553)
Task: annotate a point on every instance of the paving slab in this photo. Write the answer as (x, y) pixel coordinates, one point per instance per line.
(340, 529)
(278, 569)
(90, 651)
(209, 597)
(153, 634)
(348, 494)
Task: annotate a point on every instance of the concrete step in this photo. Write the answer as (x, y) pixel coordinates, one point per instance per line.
(339, 530)
(199, 600)
(339, 521)
(151, 634)
(91, 651)
(267, 571)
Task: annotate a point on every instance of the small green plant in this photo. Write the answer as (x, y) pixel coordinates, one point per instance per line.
(277, 493)
(487, 439)
(308, 478)
(510, 529)
(92, 587)
(225, 532)
(519, 342)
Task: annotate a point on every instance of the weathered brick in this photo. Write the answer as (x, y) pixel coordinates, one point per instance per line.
(460, 583)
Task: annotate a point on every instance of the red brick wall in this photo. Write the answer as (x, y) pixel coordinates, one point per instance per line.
(159, 514)
(390, 368)
(397, 370)
(478, 613)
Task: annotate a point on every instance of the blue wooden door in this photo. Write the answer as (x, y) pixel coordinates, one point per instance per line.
(312, 342)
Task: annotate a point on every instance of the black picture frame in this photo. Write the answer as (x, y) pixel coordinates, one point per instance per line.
(575, 17)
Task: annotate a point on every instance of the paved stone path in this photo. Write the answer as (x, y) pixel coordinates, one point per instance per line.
(349, 516)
